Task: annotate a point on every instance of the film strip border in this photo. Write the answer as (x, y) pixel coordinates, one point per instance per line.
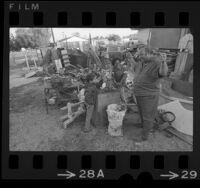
(45, 165)
(86, 162)
(113, 166)
(110, 19)
(102, 14)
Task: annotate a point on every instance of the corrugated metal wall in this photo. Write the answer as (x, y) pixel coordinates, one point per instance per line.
(165, 38)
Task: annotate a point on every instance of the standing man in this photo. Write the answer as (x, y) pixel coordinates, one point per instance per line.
(148, 71)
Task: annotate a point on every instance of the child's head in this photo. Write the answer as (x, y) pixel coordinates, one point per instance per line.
(90, 77)
(116, 61)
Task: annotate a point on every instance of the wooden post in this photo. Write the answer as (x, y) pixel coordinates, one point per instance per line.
(90, 39)
(53, 36)
(37, 55)
(27, 60)
(13, 55)
(34, 62)
(149, 39)
(41, 54)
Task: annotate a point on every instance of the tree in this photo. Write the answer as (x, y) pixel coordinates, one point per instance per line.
(30, 38)
(101, 43)
(113, 37)
(12, 43)
(98, 37)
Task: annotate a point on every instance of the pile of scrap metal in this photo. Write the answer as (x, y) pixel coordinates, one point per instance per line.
(64, 80)
(59, 89)
(77, 58)
(70, 82)
(96, 76)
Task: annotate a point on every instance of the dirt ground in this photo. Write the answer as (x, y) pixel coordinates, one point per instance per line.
(31, 129)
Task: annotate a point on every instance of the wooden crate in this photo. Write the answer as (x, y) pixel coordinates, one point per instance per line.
(103, 100)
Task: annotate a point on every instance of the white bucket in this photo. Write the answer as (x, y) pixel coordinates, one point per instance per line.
(115, 118)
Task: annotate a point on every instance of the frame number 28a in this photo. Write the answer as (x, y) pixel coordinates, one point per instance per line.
(83, 174)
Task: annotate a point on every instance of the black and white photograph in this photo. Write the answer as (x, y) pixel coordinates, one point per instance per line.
(100, 89)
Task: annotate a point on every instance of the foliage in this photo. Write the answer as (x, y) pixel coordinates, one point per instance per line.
(96, 38)
(29, 38)
(101, 43)
(12, 43)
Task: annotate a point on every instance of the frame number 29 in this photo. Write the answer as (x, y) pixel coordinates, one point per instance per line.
(189, 174)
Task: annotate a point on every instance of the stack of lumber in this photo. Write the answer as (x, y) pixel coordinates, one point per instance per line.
(65, 57)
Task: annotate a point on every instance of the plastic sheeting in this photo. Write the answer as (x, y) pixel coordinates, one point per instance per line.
(184, 118)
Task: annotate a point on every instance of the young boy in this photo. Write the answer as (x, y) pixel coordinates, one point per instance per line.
(91, 91)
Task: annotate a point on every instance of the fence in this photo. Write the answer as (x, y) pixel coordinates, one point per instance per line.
(29, 58)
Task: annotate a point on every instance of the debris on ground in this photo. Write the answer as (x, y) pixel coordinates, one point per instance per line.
(68, 89)
(31, 129)
(184, 117)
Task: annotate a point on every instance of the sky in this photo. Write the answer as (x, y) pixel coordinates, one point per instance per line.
(60, 33)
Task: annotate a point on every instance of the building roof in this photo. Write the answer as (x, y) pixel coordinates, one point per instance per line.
(74, 38)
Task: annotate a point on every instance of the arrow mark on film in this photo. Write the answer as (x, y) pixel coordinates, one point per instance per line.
(171, 175)
(68, 174)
